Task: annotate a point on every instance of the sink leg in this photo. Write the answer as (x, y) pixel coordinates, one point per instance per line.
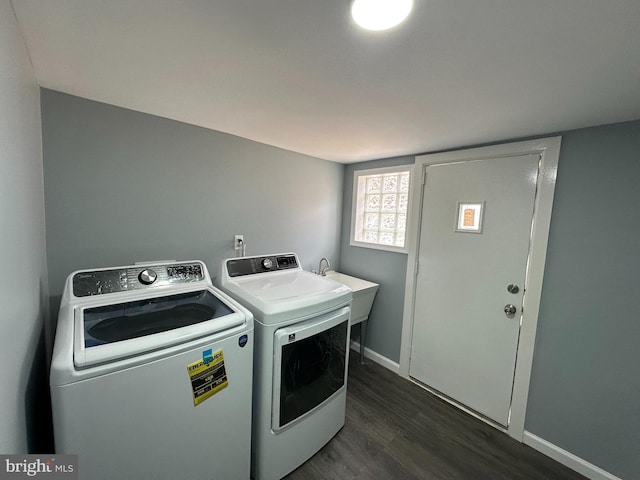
(363, 337)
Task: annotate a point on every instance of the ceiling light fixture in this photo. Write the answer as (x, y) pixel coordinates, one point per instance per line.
(380, 14)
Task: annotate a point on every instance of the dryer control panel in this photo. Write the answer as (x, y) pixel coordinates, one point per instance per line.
(139, 277)
(237, 267)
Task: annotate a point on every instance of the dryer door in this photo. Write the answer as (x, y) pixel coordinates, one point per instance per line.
(310, 365)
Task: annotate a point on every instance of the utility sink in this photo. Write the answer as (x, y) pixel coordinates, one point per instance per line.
(363, 294)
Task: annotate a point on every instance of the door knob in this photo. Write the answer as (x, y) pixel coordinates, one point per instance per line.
(510, 309)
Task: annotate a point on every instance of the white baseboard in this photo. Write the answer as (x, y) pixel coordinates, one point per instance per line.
(568, 459)
(376, 357)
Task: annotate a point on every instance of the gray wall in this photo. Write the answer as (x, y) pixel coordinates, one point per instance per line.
(585, 387)
(389, 269)
(123, 186)
(23, 283)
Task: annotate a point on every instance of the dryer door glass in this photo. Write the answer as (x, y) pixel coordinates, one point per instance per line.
(123, 321)
(312, 370)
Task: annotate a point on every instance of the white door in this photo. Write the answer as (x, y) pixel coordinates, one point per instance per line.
(464, 345)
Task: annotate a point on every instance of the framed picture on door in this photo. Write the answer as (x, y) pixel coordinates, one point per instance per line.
(469, 217)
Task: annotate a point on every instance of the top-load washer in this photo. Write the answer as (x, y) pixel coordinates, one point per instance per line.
(301, 358)
(151, 374)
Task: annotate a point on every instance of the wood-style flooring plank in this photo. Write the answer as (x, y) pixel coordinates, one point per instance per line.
(396, 430)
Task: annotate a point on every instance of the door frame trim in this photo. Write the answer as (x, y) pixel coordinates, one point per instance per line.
(549, 151)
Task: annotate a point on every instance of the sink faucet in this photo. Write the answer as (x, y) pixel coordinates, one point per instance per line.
(323, 271)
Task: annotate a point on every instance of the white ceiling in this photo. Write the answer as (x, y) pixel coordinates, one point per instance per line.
(298, 74)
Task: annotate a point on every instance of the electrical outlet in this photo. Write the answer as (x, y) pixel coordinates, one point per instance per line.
(238, 241)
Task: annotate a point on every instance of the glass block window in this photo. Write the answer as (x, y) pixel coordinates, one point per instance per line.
(380, 208)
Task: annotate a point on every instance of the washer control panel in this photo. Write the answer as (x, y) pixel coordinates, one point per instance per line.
(237, 267)
(101, 282)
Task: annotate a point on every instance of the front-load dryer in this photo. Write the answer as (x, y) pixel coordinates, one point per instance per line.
(151, 375)
(301, 358)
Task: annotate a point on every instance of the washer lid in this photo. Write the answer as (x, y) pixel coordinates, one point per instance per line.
(108, 331)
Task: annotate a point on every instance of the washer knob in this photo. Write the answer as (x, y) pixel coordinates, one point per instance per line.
(267, 263)
(147, 277)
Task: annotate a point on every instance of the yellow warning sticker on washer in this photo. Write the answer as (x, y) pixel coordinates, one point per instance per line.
(208, 376)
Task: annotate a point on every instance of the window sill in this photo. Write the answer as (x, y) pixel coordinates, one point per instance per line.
(377, 246)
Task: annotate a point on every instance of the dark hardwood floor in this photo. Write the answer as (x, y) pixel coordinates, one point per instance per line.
(397, 430)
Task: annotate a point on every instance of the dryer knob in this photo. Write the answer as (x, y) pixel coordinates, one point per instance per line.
(147, 277)
(267, 263)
